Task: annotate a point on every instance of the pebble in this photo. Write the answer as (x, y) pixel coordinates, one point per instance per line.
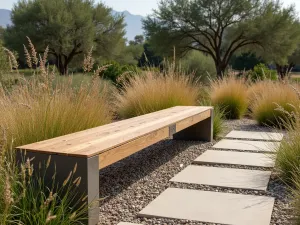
(131, 184)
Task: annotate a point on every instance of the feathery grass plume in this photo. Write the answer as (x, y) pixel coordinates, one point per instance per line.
(153, 91)
(45, 55)
(33, 52)
(273, 103)
(28, 57)
(230, 95)
(12, 59)
(88, 61)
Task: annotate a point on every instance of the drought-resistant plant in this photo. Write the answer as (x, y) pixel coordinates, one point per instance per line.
(25, 198)
(288, 157)
(203, 66)
(230, 95)
(218, 122)
(37, 109)
(262, 72)
(271, 102)
(116, 72)
(153, 91)
(295, 198)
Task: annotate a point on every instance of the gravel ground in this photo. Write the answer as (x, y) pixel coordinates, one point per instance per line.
(131, 184)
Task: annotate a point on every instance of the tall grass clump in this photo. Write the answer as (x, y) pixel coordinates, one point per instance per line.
(39, 108)
(33, 110)
(230, 95)
(295, 199)
(26, 199)
(288, 157)
(153, 91)
(271, 102)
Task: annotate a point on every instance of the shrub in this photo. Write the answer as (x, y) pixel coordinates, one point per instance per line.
(230, 95)
(116, 72)
(288, 157)
(295, 190)
(272, 102)
(218, 123)
(153, 91)
(262, 72)
(36, 109)
(26, 199)
(203, 66)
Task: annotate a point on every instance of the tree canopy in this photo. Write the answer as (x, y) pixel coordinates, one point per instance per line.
(219, 28)
(69, 27)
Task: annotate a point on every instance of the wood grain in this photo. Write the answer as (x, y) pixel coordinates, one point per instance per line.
(98, 140)
(111, 156)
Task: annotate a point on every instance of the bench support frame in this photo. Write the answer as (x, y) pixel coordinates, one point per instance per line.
(202, 131)
(87, 169)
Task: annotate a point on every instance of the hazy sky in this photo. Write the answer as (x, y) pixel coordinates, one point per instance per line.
(139, 7)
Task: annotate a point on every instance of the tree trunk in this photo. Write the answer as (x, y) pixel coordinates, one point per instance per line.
(62, 65)
(284, 70)
(220, 68)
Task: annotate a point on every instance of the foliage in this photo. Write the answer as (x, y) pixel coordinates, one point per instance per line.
(261, 72)
(25, 198)
(117, 72)
(69, 27)
(203, 66)
(295, 190)
(153, 91)
(271, 103)
(218, 123)
(230, 95)
(38, 109)
(287, 157)
(149, 57)
(220, 28)
(245, 61)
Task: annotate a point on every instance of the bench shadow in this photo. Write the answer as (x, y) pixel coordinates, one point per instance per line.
(120, 175)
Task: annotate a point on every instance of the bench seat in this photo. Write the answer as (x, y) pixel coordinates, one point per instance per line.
(96, 148)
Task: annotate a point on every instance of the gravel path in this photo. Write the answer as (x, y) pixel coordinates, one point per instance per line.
(131, 184)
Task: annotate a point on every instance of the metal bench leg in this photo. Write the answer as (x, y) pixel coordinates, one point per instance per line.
(87, 169)
(202, 131)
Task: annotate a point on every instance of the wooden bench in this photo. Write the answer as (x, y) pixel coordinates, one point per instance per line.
(99, 147)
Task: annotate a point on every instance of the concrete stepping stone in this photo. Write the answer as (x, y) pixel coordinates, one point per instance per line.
(211, 207)
(224, 177)
(235, 158)
(125, 223)
(267, 136)
(242, 145)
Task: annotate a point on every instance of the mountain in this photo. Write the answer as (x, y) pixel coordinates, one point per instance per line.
(133, 28)
(134, 24)
(4, 17)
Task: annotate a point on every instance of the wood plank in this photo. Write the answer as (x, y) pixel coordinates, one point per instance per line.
(123, 137)
(108, 128)
(109, 157)
(90, 143)
(181, 125)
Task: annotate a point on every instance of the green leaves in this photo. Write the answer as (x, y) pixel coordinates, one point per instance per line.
(220, 28)
(69, 27)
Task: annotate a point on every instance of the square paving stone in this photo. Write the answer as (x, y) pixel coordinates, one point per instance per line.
(267, 136)
(235, 158)
(224, 177)
(241, 145)
(211, 207)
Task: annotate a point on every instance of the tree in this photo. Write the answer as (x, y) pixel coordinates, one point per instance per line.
(69, 27)
(284, 68)
(2, 30)
(218, 28)
(245, 61)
